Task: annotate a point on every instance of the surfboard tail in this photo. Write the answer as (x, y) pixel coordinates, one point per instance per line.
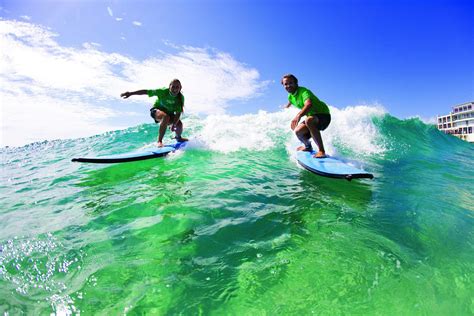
(349, 177)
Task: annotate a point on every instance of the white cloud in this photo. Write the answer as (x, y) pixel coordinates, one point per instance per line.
(25, 17)
(41, 117)
(49, 91)
(111, 13)
(137, 23)
(91, 45)
(210, 79)
(118, 19)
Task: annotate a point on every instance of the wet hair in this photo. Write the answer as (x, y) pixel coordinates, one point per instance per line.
(180, 96)
(289, 76)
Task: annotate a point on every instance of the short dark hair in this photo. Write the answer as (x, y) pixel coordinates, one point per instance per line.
(289, 76)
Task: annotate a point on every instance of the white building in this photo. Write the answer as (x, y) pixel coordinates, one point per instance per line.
(459, 122)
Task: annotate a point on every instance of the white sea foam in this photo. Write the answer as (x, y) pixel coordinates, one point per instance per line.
(351, 127)
(225, 133)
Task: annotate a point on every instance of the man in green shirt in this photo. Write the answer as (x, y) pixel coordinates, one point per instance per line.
(316, 112)
(167, 108)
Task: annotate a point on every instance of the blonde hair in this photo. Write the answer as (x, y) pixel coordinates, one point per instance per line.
(180, 95)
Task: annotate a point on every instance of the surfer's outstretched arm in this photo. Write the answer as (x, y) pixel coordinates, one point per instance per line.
(127, 94)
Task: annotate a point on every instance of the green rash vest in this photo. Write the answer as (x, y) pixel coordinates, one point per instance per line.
(166, 102)
(301, 95)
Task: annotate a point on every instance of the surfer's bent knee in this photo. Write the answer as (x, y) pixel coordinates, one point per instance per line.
(301, 129)
(159, 116)
(313, 120)
(320, 121)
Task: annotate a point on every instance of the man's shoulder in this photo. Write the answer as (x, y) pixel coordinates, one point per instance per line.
(304, 92)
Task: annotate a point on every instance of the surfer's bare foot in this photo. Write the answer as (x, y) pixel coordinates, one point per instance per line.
(160, 144)
(181, 139)
(320, 154)
(304, 148)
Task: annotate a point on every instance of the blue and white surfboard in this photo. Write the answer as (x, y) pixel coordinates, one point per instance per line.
(330, 167)
(142, 154)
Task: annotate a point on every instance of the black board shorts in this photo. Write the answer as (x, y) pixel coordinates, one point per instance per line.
(323, 121)
(153, 111)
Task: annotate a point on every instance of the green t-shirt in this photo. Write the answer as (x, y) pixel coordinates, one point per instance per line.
(301, 95)
(167, 102)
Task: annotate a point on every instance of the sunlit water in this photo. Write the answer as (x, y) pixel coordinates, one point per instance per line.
(233, 226)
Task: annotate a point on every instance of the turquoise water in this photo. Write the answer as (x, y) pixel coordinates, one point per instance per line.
(233, 226)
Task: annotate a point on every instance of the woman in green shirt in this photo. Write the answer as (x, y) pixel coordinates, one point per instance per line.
(167, 108)
(316, 112)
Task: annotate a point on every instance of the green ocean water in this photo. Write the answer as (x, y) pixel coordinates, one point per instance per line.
(233, 226)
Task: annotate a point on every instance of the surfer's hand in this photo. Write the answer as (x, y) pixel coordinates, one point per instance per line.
(295, 122)
(125, 95)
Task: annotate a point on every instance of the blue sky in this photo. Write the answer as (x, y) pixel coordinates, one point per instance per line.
(414, 58)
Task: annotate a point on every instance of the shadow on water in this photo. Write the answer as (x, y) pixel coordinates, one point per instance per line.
(117, 173)
(356, 191)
